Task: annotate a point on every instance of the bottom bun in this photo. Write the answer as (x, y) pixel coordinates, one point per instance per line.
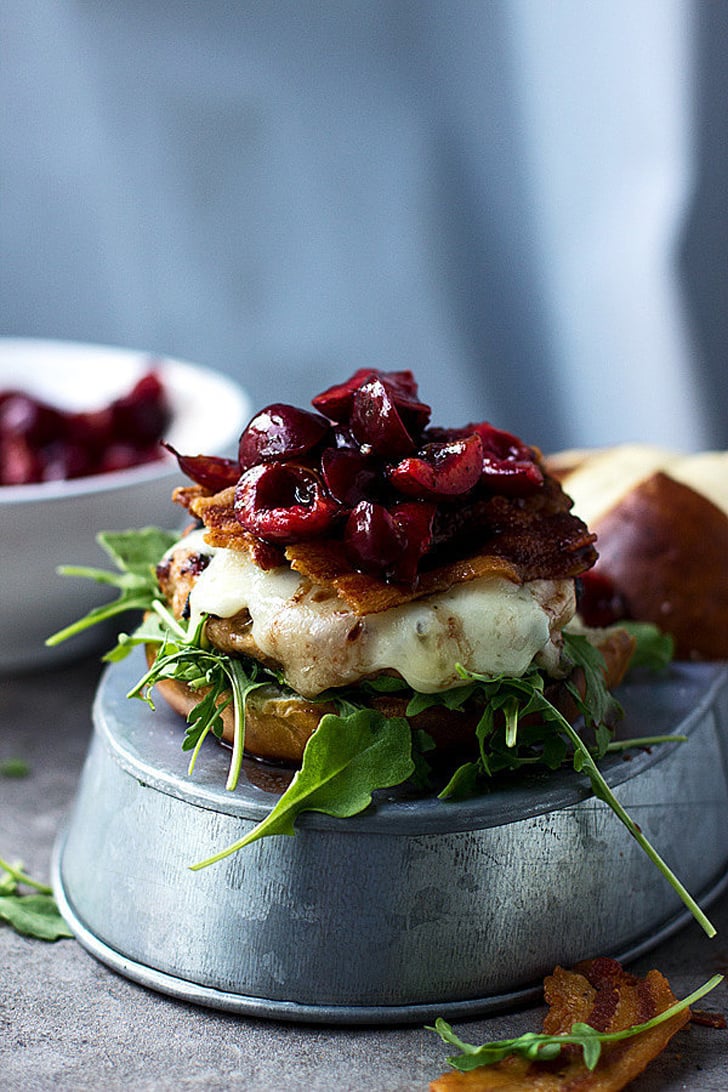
(279, 725)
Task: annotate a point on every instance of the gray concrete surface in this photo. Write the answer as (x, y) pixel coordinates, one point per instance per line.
(69, 1023)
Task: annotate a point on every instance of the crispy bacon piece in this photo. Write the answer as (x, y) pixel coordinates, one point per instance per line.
(600, 993)
(217, 512)
(528, 539)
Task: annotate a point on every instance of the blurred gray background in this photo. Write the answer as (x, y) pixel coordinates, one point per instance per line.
(522, 200)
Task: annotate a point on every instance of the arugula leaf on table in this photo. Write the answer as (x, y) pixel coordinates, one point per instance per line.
(535, 1046)
(34, 915)
(345, 761)
(14, 767)
(136, 554)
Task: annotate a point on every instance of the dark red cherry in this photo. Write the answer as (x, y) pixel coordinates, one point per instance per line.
(91, 429)
(142, 415)
(280, 431)
(123, 456)
(19, 464)
(599, 602)
(210, 471)
(64, 460)
(35, 421)
(372, 539)
(389, 543)
(349, 475)
(337, 402)
(284, 503)
(509, 465)
(414, 520)
(376, 422)
(445, 469)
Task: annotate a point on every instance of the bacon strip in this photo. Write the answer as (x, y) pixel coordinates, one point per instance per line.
(534, 538)
(600, 993)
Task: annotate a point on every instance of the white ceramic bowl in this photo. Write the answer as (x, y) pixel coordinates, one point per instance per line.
(49, 524)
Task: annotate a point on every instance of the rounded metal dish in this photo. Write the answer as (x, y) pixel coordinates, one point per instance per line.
(414, 909)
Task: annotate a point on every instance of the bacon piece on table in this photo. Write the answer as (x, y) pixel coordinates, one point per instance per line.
(599, 993)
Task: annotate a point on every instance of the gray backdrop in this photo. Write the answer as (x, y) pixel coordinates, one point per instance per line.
(524, 201)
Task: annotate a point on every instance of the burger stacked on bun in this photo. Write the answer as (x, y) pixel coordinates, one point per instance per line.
(360, 554)
(362, 591)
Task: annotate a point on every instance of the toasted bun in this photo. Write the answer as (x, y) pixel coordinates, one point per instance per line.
(662, 535)
(278, 726)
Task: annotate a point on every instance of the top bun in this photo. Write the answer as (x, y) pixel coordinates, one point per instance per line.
(661, 521)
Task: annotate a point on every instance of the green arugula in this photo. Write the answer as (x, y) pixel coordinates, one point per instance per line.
(224, 680)
(33, 915)
(345, 761)
(136, 554)
(14, 767)
(654, 649)
(545, 1048)
(596, 702)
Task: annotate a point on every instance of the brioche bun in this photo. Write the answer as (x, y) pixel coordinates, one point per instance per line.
(661, 521)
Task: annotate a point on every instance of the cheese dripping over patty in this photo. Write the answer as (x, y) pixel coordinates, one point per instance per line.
(489, 625)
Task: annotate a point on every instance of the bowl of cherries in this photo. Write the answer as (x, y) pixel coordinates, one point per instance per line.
(83, 430)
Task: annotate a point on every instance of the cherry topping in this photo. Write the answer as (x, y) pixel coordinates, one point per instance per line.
(376, 422)
(349, 475)
(372, 538)
(444, 469)
(284, 503)
(343, 472)
(600, 604)
(280, 431)
(210, 471)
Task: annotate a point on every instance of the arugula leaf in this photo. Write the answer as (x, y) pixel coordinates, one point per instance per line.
(222, 679)
(542, 1047)
(14, 767)
(345, 761)
(583, 761)
(598, 705)
(136, 553)
(654, 649)
(33, 915)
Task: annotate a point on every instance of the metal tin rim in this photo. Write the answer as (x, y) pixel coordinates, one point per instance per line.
(392, 813)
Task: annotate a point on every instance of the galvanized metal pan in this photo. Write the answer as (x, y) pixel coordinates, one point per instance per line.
(416, 908)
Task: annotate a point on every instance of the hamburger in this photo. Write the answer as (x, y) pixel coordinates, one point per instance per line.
(373, 601)
(361, 555)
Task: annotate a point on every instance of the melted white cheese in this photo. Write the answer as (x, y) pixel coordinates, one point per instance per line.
(489, 625)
